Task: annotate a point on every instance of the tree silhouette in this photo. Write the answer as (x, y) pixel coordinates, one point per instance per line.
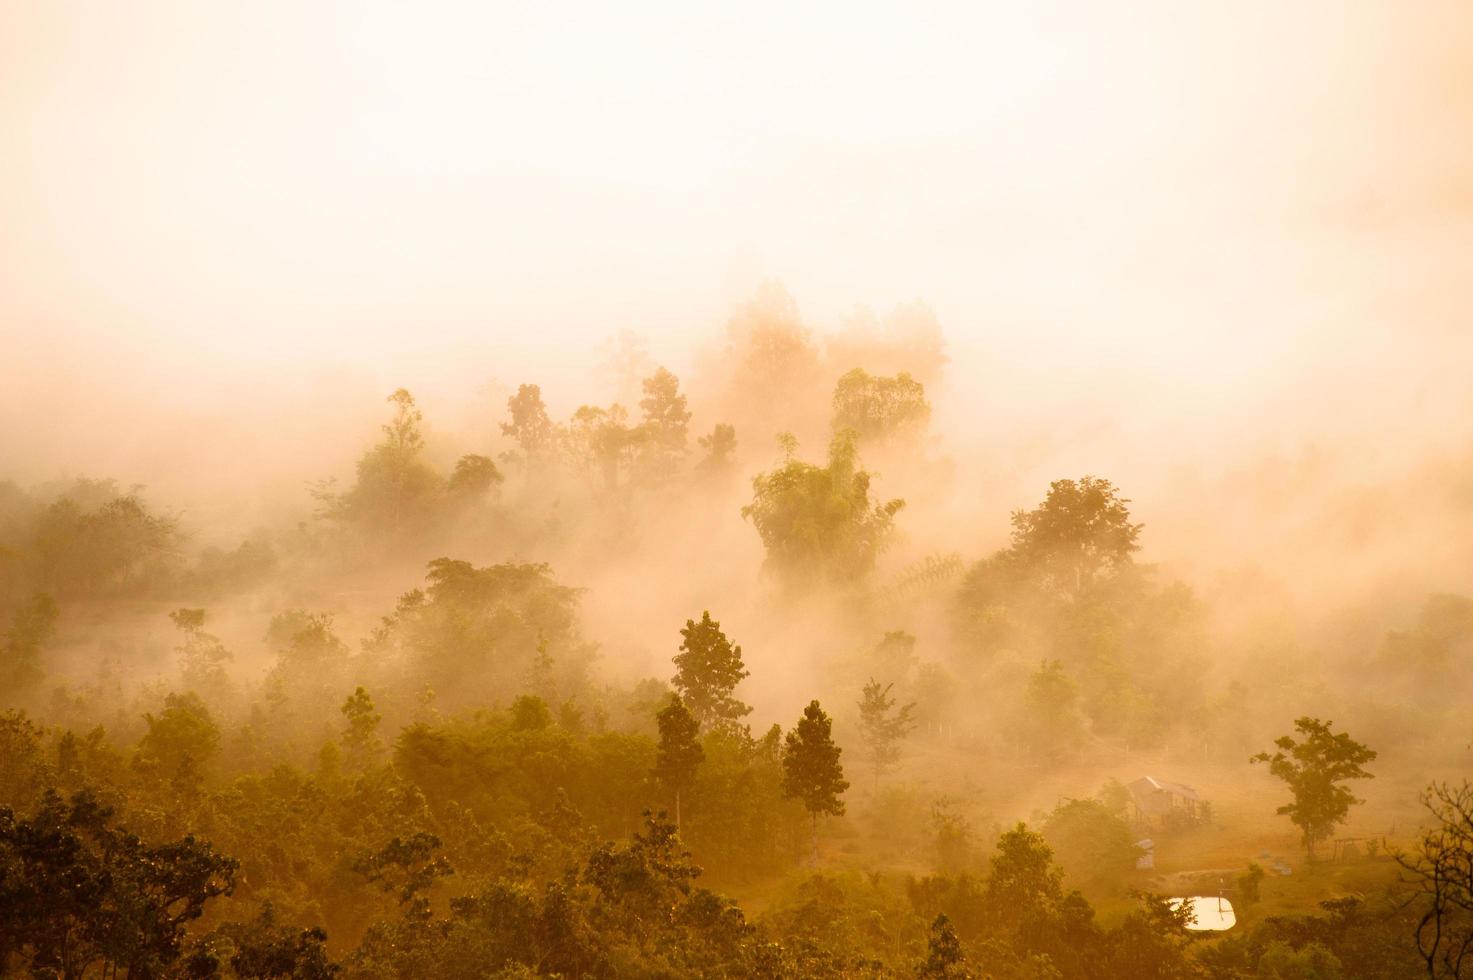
(811, 769)
(1314, 768)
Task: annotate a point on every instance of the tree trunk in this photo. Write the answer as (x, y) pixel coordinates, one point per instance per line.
(815, 838)
(677, 811)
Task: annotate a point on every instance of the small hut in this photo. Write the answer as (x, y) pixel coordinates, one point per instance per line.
(1161, 801)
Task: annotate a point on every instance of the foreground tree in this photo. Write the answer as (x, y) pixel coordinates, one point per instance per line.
(678, 754)
(881, 729)
(1314, 766)
(1441, 865)
(78, 894)
(707, 670)
(811, 769)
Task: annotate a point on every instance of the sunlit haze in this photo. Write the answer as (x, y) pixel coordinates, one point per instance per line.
(1218, 255)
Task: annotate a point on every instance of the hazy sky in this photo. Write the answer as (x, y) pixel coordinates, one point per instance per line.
(1163, 211)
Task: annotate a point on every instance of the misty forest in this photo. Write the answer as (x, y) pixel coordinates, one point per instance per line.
(709, 676)
(499, 489)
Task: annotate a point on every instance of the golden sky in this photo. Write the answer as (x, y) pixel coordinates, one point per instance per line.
(1226, 198)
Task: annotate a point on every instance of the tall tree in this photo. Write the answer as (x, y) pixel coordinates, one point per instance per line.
(1314, 766)
(880, 729)
(678, 754)
(707, 670)
(811, 769)
(395, 489)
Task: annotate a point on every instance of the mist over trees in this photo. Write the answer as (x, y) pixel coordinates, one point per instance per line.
(456, 715)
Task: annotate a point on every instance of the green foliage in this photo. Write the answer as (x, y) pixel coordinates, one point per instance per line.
(78, 893)
(679, 754)
(944, 957)
(1314, 766)
(818, 523)
(181, 740)
(812, 772)
(707, 670)
(879, 409)
(261, 949)
(1080, 534)
(474, 634)
(23, 770)
(1093, 845)
(1280, 961)
(1152, 942)
(406, 868)
(96, 540)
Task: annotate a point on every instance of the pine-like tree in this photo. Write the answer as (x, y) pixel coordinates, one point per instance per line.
(811, 769)
(944, 957)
